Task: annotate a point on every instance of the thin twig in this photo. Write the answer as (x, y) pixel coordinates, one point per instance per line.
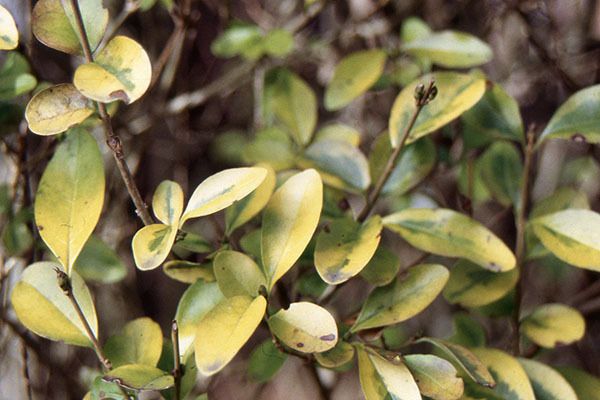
(176, 359)
(520, 245)
(112, 140)
(422, 97)
(26, 380)
(65, 284)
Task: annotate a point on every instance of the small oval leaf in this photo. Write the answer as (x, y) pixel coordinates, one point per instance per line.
(9, 35)
(188, 271)
(341, 354)
(99, 263)
(555, 324)
(435, 376)
(237, 274)
(305, 327)
(151, 245)
(140, 377)
(265, 361)
(139, 342)
(547, 383)
(167, 202)
(382, 268)
(586, 386)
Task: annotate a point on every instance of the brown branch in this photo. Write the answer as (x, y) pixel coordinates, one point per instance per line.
(113, 141)
(176, 359)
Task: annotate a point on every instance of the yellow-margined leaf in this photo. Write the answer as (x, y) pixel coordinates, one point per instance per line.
(188, 271)
(42, 306)
(512, 382)
(167, 202)
(402, 299)
(9, 35)
(305, 327)
(586, 386)
(345, 247)
(221, 190)
(471, 286)
(247, 208)
(547, 383)
(139, 342)
(195, 303)
(289, 221)
(54, 24)
(341, 354)
(382, 379)
(353, 76)
(69, 199)
(339, 132)
(56, 109)
(151, 245)
(435, 377)
(571, 235)
(555, 324)
(120, 71)
(237, 274)
(140, 377)
(456, 94)
(448, 233)
(224, 330)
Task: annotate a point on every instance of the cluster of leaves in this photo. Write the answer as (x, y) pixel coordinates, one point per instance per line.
(287, 210)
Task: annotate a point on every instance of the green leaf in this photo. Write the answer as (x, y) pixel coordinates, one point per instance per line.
(16, 236)
(547, 383)
(278, 42)
(102, 390)
(265, 361)
(194, 243)
(221, 190)
(167, 202)
(576, 118)
(450, 49)
(512, 382)
(402, 299)
(120, 71)
(456, 94)
(414, 28)
(311, 285)
(292, 101)
(495, 116)
(139, 342)
(237, 274)
(341, 354)
(151, 245)
(244, 210)
(414, 164)
(353, 76)
(562, 199)
(225, 329)
(382, 268)
(140, 377)
(271, 146)
(571, 235)
(501, 170)
(289, 221)
(196, 302)
(69, 199)
(550, 325)
(42, 306)
(382, 379)
(435, 376)
(9, 35)
(54, 24)
(345, 247)
(471, 286)
(188, 271)
(305, 327)
(451, 234)
(467, 331)
(586, 386)
(339, 132)
(99, 263)
(464, 359)
(341, 165)
(15, 76)
(56, 109)
(236, 40)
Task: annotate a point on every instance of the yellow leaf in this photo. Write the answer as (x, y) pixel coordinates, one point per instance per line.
(139, 342)
(547, 383)
(244, 210)
(69, 199)
(289, 221)
(381, 379)
(141, 377)
(167, 202)
(551, 325)
(237, 274)
(224, 330)
(56, 109)
(456, 94)
(9, 35)
(345, 247)
(151, 245)
(189, 272)
(305, 327)
(451, 234)
(42, 306)
(221, 190)
(120, 71)
(435, 377)
(571, 235)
